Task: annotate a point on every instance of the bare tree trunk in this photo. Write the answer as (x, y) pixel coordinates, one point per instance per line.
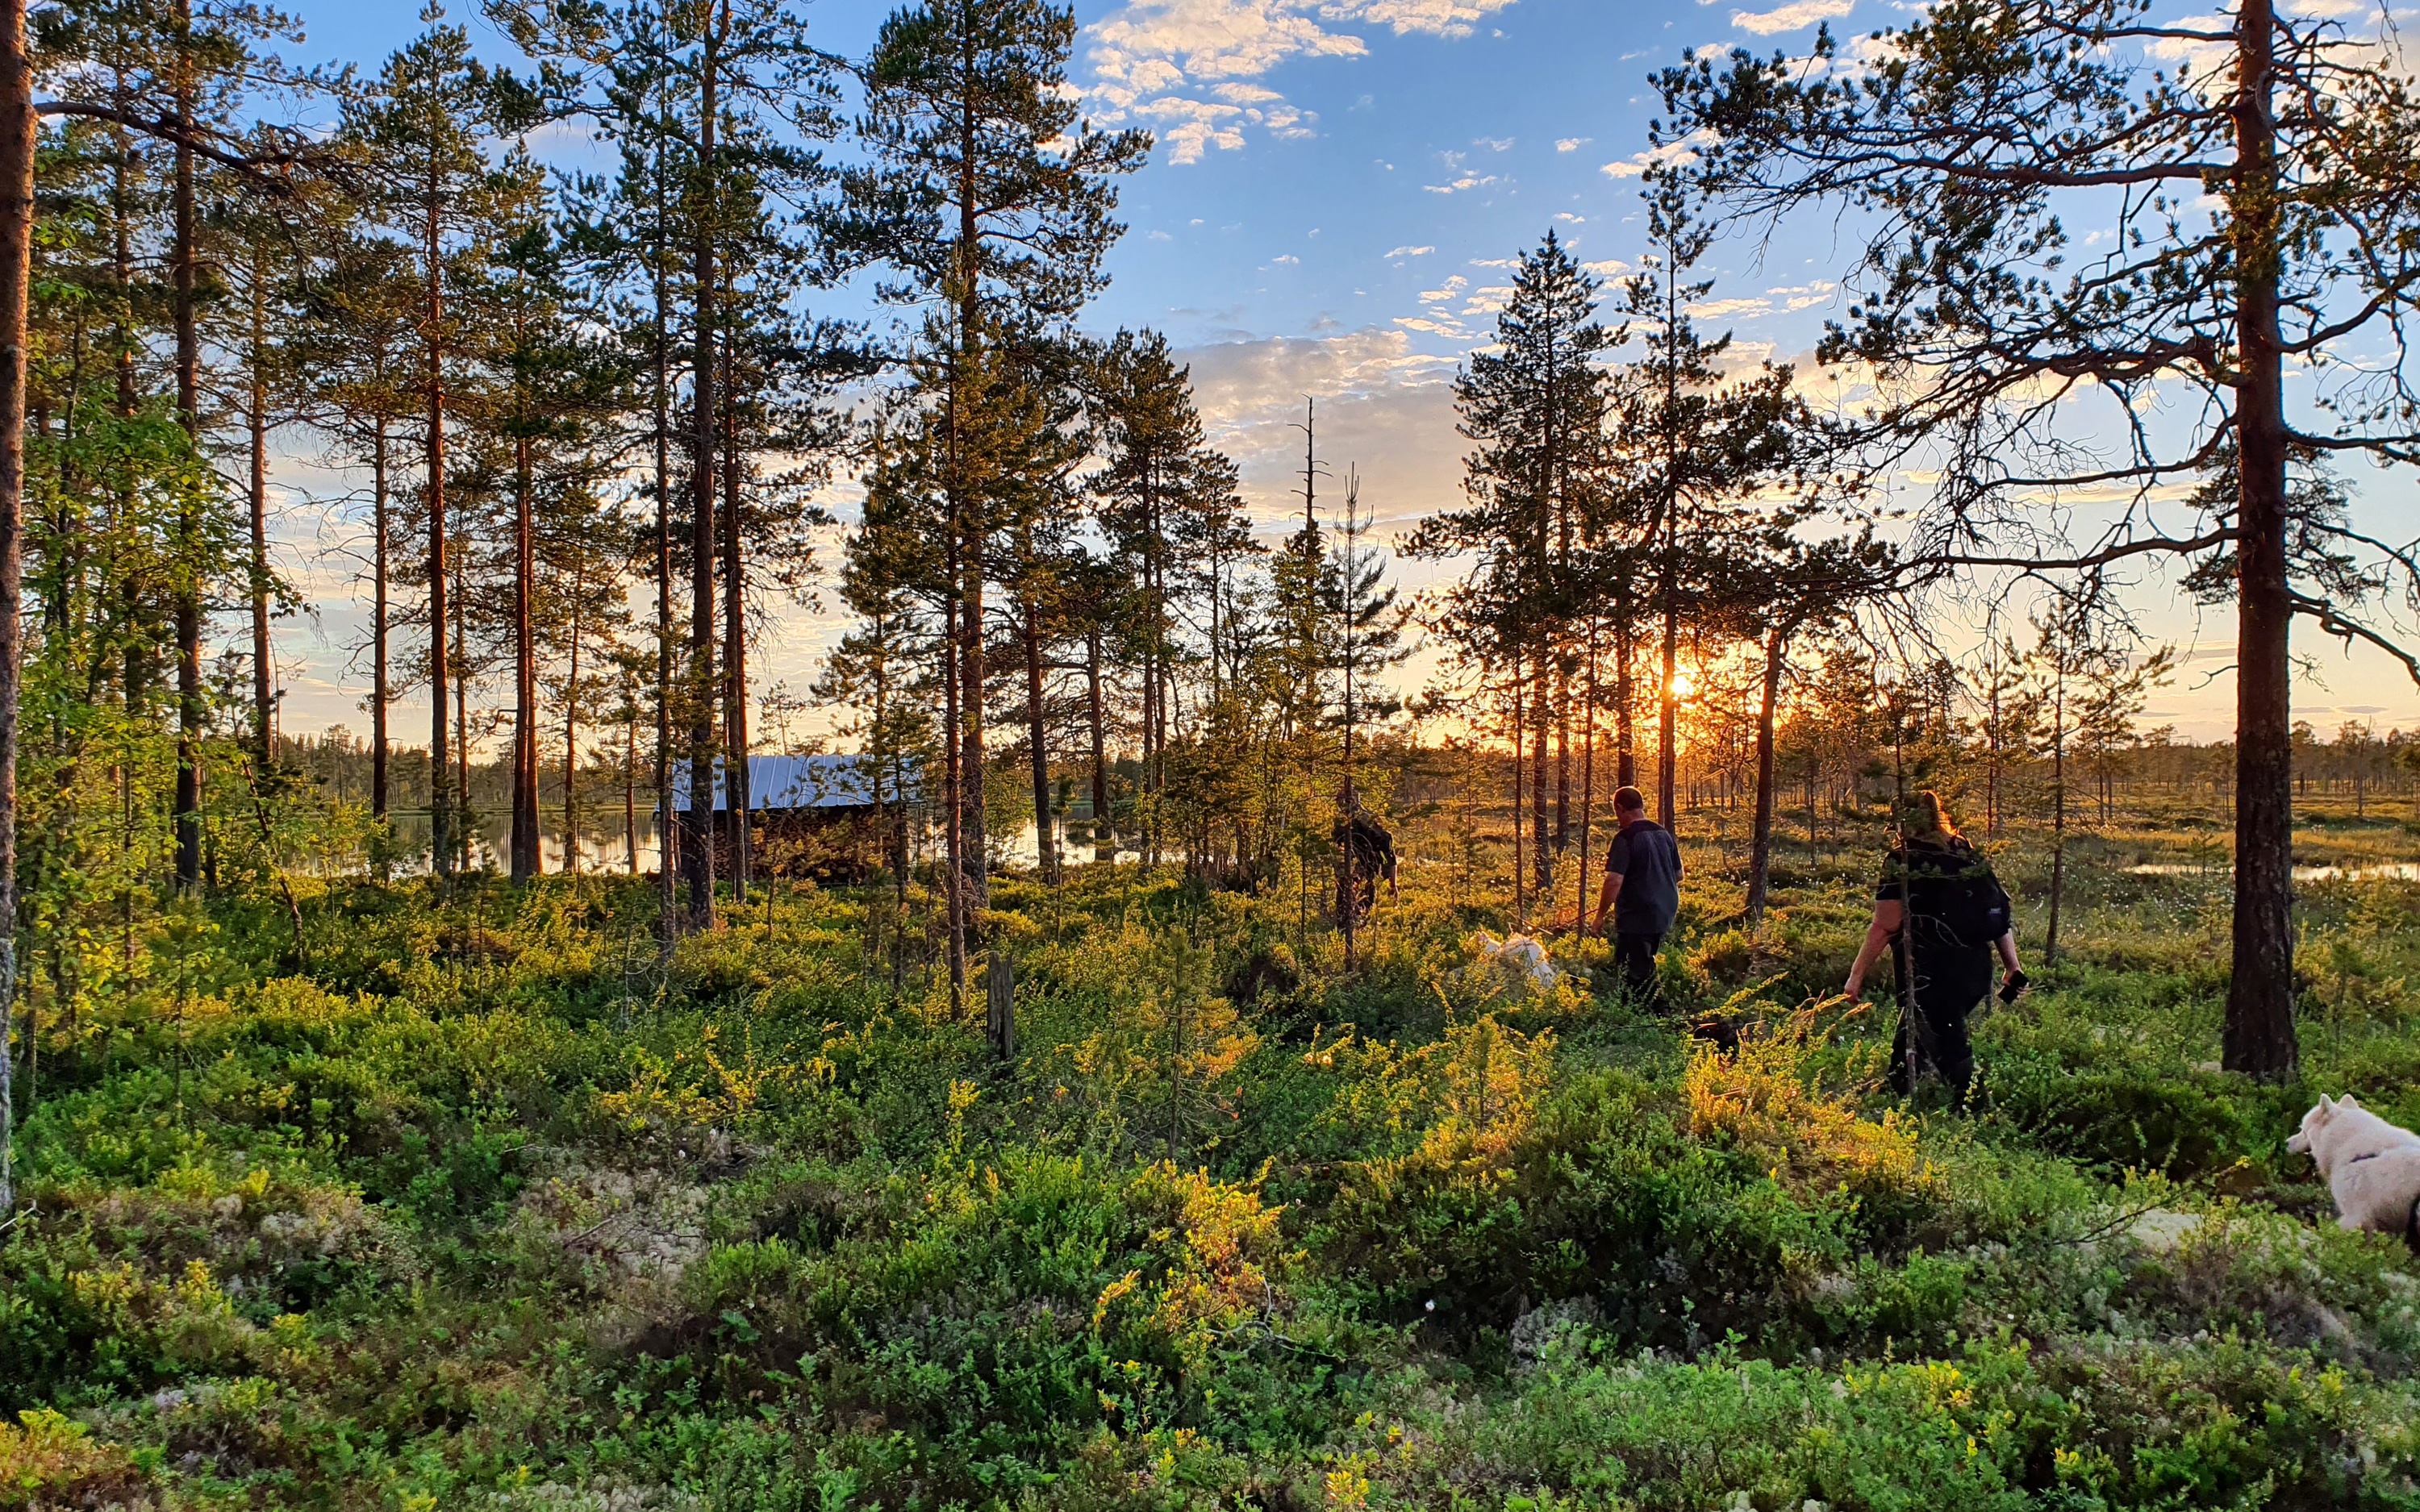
(2057, 822)
(16, 265)
(1667, 738)
(1541, 856)
(440, 808)
(668, 918)
(1100, 743)
(697, 836)
(256, 414)
(377, 622)
(735, 642)
(188, 612)
(524, 841)
(1759, 863)
(1625, 757)
(1588, 782)
(1038, 735)
(1520, 878)
(571, 727)
(2259, 1038)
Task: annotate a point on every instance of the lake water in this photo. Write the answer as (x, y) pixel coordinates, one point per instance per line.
(2398, 871)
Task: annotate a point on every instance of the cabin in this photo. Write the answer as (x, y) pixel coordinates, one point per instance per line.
(811, 816)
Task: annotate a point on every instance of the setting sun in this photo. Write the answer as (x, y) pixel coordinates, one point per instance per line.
(1684, 686)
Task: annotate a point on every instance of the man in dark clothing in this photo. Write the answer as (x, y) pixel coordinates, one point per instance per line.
(1642, 893)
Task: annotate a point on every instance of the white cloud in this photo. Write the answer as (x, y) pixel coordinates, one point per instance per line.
(1573, 144)
(1805, 296)
(1576, 220)
(1411, 252)
(1468, 181)
(1453, 290)
(1682, 151)
(1796, 16)
(1608, 268)
(1717, 309)
(1493, 144)
(1288, 257)
(1180, 63)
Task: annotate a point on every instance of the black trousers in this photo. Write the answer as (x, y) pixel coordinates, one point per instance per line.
(1948, 984)
(1634, 958)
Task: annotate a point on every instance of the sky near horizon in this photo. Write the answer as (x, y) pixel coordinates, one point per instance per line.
(1338, 189)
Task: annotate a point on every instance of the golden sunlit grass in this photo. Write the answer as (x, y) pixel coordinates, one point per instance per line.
(1767, 1098)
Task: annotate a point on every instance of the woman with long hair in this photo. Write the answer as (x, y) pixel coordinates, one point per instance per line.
(1942, 914)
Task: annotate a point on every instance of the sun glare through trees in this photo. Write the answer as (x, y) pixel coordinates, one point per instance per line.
(683, 825)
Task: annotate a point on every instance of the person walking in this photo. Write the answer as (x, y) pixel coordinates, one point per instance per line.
(1942, 915)
(1641, 894)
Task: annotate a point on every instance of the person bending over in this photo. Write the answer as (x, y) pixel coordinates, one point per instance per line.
(1641, 894)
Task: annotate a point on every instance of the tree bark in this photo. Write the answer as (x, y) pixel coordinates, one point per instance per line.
(734, 641)
(1037, 736)
(697, 835)
(264, 693)
(1759, 863)
(524, 845)
(2259, 1038)
(571, 727)
(188, 609)
(1100, 743)
(441, 806)
(16, 267)
(378, 621)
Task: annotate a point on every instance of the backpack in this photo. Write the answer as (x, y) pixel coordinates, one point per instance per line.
(1975, 908)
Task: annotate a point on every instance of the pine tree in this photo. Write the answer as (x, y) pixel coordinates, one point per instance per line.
(990, 200)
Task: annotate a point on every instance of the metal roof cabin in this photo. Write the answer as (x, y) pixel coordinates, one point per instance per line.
(809, 815)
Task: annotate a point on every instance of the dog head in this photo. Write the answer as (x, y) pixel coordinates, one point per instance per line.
(2315, 1124)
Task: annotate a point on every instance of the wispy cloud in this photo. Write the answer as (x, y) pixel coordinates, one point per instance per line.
(1573, 144)
(1684, 151)
(1411, 252)
(1796, 16)
(1178, 64)
(1468, 182)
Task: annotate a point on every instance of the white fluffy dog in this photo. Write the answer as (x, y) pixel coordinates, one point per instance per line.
(2372, 1167)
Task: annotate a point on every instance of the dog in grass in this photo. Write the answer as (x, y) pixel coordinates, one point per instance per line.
(2372, 1167)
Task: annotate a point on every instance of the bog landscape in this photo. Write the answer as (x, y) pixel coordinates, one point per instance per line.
(688, 828)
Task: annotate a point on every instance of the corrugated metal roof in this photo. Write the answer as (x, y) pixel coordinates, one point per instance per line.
(790, 782)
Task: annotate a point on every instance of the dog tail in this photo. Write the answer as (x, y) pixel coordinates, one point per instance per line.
(2412, 1226)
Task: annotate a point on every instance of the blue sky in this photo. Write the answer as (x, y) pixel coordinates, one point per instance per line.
(1338, 189)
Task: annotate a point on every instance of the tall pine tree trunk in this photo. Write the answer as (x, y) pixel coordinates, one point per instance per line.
(667, 825)
(1541, 856)
(524, 842)
(1037, 736)
(1667, 737)
(378, 621)
(2259, 1038)
(734, 642)
(572, 726)
(697, 833)
(257, 417)
(1100, 742)
(441, 806)
(1760, 861)
(16, 265)
(188, 610)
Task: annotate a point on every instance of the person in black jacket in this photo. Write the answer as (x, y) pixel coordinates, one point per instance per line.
(1641, 896)
(1930, 910)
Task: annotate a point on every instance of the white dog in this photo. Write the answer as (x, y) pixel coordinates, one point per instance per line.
(2372, 1167)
